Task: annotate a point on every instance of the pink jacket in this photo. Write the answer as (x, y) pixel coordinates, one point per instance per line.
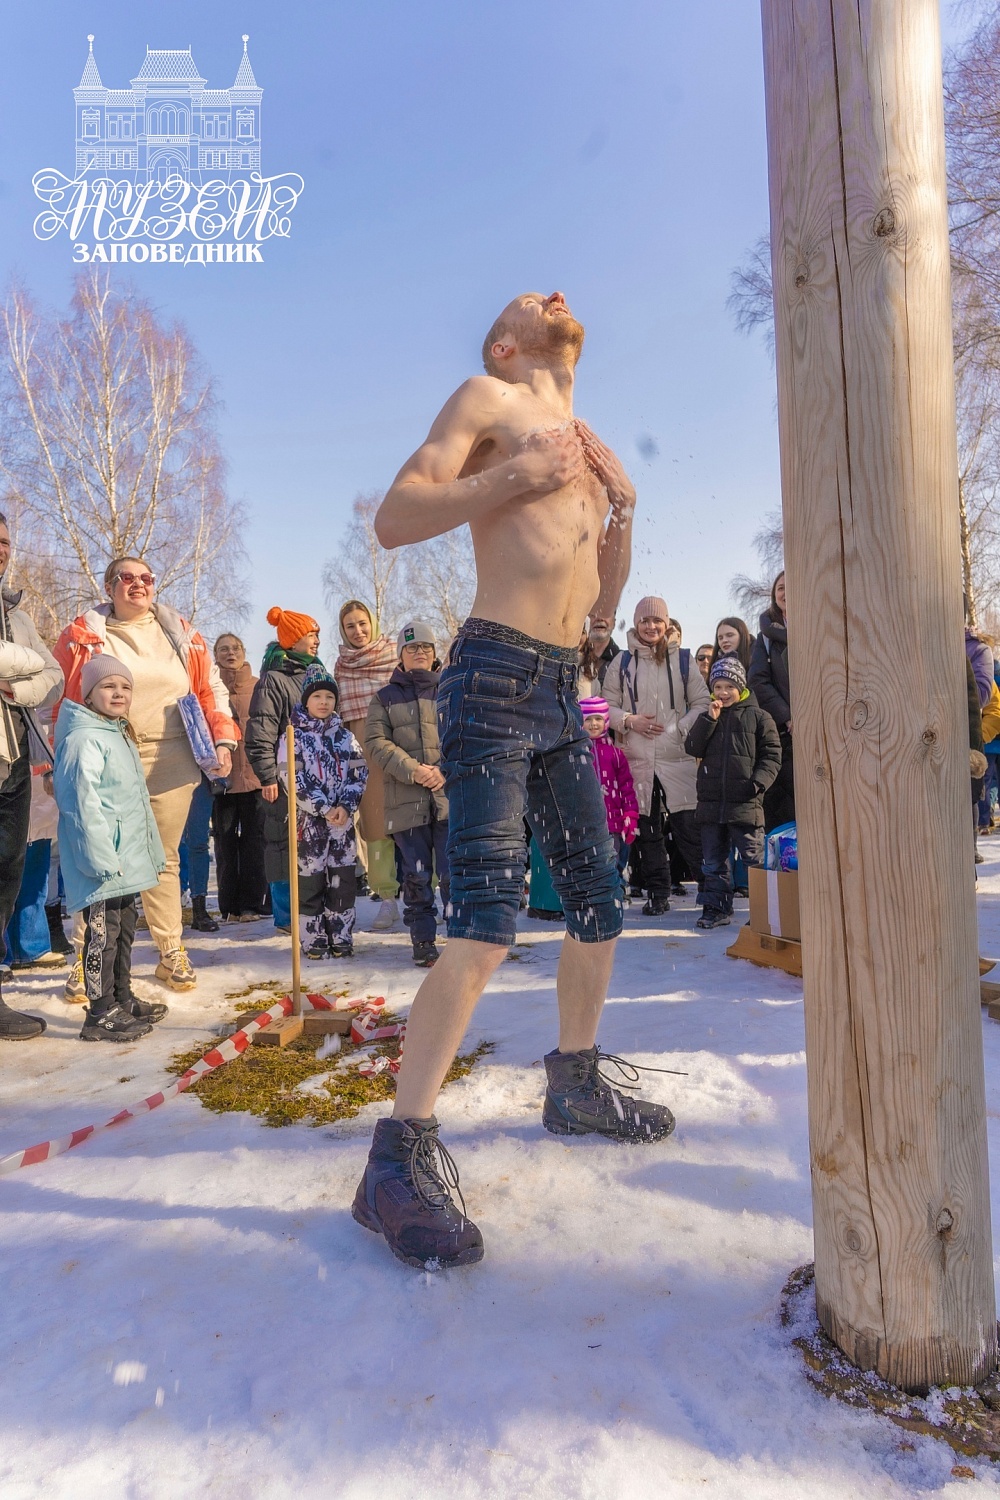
(616, 783)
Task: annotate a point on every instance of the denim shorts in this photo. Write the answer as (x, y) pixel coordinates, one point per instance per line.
(513, 746)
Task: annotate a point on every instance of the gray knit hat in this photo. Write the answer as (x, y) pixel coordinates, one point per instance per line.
(99, 667)
(416, 633)
(730, 669)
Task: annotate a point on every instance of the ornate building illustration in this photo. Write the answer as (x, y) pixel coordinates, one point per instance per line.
(169, 123)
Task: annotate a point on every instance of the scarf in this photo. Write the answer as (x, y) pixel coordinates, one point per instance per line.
(277, 659)
(360, 672)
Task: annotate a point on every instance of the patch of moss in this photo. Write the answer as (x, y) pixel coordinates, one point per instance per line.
(264, 1081)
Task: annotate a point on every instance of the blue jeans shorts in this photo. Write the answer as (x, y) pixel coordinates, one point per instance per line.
(513, 746)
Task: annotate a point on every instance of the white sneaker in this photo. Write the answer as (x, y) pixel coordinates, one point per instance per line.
(75, 992)
(176, 971)
(386, 917)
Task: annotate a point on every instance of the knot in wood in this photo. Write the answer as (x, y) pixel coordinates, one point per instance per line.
(859, 714)
(819, 772)
(945, 1222)
(884, 223)
(801, 276)
(929, 736)
(852, 1240)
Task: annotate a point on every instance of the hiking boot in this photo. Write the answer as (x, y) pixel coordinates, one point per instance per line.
(579, 1100)
(176, 971)
(48, 960)
(425, 955)
(386, 917)
(677, 889)
(75, 991)
(15, 1026)
(200, 919)
(114, 1025)
(656, 906)
(145, 1010)
(317, 950)
(342, 950)
(406, 1195)
(713, 917)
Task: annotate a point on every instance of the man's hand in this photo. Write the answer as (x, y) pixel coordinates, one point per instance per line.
(430, 777)
(549, 460)
(270, 793)
(644, 724)
(338, 817)
(608, 468)
(714, 709)
(224, 760)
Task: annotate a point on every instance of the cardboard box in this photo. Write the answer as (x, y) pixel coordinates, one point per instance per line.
(774, 903)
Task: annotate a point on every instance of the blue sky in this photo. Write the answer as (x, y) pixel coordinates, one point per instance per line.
(455, 153)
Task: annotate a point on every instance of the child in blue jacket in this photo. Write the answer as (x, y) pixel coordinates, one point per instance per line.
(109, 847)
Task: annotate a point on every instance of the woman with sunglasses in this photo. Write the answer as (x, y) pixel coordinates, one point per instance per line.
(168, 659)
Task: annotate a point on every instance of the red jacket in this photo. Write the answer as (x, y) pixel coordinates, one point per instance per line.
(88, 636)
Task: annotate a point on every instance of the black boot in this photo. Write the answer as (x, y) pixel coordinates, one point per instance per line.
(656, 906)
(200, 919)
(146, 1010)
(405, 1195)
(57, 933)
(15, 1026)
(580, 1101)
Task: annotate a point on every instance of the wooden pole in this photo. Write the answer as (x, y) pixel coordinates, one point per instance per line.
(859, 236)
(293, 875)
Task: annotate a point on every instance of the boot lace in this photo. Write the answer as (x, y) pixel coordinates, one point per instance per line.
(628, 1071)
(433, 1171)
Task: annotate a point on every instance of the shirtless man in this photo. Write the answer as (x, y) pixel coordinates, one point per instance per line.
(550, 511)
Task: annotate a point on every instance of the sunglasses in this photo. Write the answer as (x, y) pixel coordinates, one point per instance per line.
(129, 578)
(704, 656)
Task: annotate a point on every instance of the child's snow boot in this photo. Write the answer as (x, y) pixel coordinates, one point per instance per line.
(342, 950)
(425, 955)
(114, 1025)
(713, 917)
(406, 1195)
(146, 1010)
(579, 1100)
(57, 932)
(656, 906)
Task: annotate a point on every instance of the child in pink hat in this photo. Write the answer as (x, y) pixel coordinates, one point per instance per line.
(615, 777)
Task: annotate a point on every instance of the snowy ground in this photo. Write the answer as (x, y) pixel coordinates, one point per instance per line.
(189, 1310)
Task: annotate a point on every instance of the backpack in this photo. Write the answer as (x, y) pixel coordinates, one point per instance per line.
(683, 660)
(991, 716)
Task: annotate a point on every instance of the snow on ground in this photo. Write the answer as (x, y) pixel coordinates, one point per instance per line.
(189, 1309)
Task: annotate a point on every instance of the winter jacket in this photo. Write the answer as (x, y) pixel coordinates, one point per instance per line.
(34, 675)
(768, 677)
(330, 770)
(239, 683)
(88, 635)
(401, 733)
(619, 791)
(641, 685)
(740, 755)
(108, 840)
(278, 691)
(981, 657)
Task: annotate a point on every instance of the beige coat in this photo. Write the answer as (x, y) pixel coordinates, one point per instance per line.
(658, 689)
(34, 675)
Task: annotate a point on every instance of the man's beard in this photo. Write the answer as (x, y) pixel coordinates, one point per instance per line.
(555, 336)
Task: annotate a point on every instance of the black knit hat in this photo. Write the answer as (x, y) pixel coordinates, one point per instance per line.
(731, 669)
(318, 679)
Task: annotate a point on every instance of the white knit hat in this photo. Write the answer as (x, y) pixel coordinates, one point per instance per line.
(99, 667)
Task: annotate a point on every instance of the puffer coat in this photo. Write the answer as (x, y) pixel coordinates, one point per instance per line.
(401, 733)
(108, 840)
(646, 686)
(740, 756)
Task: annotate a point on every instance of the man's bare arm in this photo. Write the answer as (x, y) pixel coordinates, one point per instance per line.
(427, 498)
(614, 550)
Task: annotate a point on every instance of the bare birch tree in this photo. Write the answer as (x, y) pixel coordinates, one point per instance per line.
(109, 446)
(439, 581)
(362, 568)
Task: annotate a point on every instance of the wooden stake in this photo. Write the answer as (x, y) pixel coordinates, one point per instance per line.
(859, 235)
(293, 875)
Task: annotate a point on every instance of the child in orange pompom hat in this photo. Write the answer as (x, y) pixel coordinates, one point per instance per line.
(296, 632)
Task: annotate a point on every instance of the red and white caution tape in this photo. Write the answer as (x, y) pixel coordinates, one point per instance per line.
(225, 1052)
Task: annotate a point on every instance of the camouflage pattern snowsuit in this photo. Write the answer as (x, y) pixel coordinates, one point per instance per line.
(330, 771)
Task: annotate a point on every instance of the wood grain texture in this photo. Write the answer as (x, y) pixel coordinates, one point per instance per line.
(869, 483)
